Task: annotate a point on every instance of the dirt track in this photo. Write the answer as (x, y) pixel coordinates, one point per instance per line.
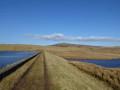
(36, 77)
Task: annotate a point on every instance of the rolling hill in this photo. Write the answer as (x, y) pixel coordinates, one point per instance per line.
(69, 51)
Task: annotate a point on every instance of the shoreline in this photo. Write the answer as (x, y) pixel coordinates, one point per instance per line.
(92, 59)
(5, 71)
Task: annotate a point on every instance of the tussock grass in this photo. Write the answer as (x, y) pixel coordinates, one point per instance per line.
(110, 76)
(9, 82)
(64, 76)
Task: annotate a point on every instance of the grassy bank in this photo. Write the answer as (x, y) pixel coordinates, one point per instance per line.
(9, 82)
(69, 52)
(110, 76)
(64, 76)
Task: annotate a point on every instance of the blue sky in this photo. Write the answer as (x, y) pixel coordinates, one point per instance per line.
(45, 22)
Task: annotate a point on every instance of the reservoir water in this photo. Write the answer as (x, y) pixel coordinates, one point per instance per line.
(9, 57)
(115, 63)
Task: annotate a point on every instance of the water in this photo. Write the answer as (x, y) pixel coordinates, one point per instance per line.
(115, 63)
(9, 57)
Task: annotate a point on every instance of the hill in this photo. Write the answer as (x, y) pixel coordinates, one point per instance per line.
(115, 49)
(69, 51)
(73, 45)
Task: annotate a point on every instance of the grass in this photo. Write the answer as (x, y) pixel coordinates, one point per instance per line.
(34, 78)
(68, 52)
(60, 75)
(64, 76)
(108, 75)
(9, 82)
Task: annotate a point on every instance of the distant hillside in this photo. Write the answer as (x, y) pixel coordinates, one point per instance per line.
(115, 50)
(74, 45)
(71, 51)
(19, 47)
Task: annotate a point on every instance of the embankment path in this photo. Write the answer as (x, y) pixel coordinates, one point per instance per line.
(50, 72)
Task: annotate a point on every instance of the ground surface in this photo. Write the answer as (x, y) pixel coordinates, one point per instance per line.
(50, 72)
(109, 75)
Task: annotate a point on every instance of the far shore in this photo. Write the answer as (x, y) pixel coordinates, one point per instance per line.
(69, 52)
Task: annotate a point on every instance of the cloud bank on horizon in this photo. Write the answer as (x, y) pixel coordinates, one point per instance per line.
(62, 37)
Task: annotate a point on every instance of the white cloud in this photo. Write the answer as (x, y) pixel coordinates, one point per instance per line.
(61, 37)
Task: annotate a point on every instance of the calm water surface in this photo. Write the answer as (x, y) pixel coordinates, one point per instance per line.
(9, 57)
(115, 63)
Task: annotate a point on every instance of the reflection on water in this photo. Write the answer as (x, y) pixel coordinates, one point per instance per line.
(9, 57)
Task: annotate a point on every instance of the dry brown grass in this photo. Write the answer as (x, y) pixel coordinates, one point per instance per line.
(61, 76)
(64, 76)
(68, 52)
(110, 76)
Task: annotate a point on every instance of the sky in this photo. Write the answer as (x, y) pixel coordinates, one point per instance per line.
(46, 22)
